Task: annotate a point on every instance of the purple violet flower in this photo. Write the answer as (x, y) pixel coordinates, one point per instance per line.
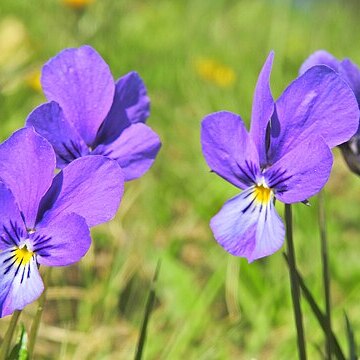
(285, 155)
(350, 73)
(89, 114)
(45, 220)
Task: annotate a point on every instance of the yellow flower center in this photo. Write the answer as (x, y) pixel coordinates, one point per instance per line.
(23, 255)
(263, 194)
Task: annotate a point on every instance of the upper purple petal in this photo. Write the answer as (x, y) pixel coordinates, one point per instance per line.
(262, 109)
(80, 81)
(302, 172)
(63, 241)
(228, 148)
(91, 186)
(49, 121)
(350, 72)
(135, 150)
(317, 103)
(320, 57)
(130, 105)
(27, 164)
(132, 93)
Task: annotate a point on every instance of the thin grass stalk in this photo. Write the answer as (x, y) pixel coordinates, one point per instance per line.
(37, 319)
(325, 273)
(148, 310)
(339, 354)
(5, 346)
(295, 288)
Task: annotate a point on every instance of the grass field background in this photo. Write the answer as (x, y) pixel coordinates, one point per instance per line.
(195, 57)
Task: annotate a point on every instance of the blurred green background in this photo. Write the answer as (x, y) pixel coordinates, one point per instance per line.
(195, 57)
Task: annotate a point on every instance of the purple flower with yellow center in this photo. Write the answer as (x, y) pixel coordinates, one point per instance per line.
(45, 220)
(286, 155)
(89, 114)
(350, 73)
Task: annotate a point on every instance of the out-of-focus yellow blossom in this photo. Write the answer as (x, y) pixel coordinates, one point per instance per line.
(213, 71)
(33, 80)
(14, 47)
(15, 51)
(77, 4)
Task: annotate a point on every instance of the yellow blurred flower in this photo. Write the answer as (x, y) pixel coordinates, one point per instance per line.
(77, 4)
(32, 79)
(215, 72)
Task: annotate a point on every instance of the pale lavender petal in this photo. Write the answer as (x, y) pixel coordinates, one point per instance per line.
(296, 176)
(27, 164)
(63, 241)
(20, 284)
(135, 150)
(49, 121)
(262, 109)
(270, 233)
(228, 149)
(317, 103)
(11, 223)
(248, 228)
(320, 57)
(80, 81)
(91, 187)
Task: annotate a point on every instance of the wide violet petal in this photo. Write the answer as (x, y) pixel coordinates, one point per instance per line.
(228, 149)
(317, 103)
(61, 242)
(247, 227)
(91, 186)
(11, 223)
(135, 150)
(27, 164)
(320, 57)
(302, 172)
(49, 121)
(20, 283)
(80, 81)
(262, 109)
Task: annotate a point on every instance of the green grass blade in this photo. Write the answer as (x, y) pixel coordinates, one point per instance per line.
(148, 309)
(20, 351)
(351, 339)
(318, 313)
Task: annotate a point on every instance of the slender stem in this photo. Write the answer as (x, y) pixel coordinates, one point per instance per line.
(5, 346)
(37, 319)
(295, 289)
(325, 270)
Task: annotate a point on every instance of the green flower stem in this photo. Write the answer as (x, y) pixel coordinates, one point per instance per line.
(325, 270)
(295, 288)
(37, 319)
(5, 346)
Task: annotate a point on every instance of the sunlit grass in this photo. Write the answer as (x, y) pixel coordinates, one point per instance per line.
(209, 305)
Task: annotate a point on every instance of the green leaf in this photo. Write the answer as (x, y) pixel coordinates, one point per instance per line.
(20, 352)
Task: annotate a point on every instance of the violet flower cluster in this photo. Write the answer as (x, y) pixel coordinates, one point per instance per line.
(350, 73)
(286, 155)
(93, 130)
